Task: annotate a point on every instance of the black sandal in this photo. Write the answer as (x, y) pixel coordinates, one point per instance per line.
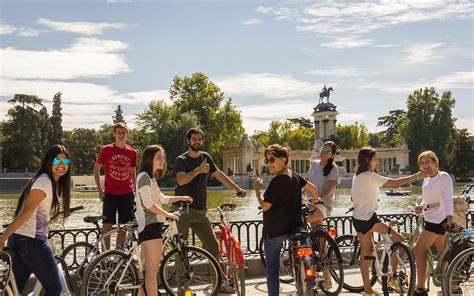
(456, 291)
(421, 292)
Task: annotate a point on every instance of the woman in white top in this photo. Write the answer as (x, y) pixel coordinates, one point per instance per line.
(438, 207)
(324, 174)
(150, 214)
(28, 233)
(365, 195)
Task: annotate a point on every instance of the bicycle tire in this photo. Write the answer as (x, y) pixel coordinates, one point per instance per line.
(461, 268)
(349, 248)
(238, 273)
(172, 283)
(405, 276)
(328, 259)
(107, 262)
(76, 255)
(286, 265)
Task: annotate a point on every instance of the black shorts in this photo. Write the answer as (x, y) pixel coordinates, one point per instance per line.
(151, 231)
(363, 226)
(436, 228)
(121, 203)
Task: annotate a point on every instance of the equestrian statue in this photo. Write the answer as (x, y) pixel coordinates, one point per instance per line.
(325, 92)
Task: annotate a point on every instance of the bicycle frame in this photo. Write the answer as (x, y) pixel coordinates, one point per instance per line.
(228, 239)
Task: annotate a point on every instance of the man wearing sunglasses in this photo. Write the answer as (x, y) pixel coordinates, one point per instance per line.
(120, 161)
(192, 169)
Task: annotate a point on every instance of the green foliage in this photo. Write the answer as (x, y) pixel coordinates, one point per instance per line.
(429, 124)
(118, 117)
(352, 136)
(297, 136)
(84, 146)
(45, 129)
(460, 155)
(160, 124)
(393, 121)
(56, 131)
(376, 139)
(302, 122)
(221, 122)
(23, 140)
(105, 134)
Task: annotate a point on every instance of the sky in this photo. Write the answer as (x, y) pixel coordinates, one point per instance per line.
(271, 57)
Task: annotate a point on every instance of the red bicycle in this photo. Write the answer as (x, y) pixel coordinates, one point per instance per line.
(230, 252)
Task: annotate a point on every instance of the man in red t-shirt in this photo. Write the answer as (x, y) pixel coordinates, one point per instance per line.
(120, 161)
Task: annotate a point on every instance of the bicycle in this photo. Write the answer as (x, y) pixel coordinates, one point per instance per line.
(188, 269)
(400, 281)
(8, 282)
(234, 271)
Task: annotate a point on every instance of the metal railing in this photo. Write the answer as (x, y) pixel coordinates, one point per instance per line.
(248, 232)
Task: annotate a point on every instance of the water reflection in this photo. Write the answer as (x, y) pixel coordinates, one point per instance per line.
(247, 208)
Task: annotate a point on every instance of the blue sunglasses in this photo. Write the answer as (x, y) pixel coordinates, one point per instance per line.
(58, 161)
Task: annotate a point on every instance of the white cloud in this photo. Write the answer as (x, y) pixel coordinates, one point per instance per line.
(86, 58)
(423, 53)
(347, 42)
(340, 72)
(252, 21)
(146, 97)
(22, 31)
(83, 28)
(454, 80)
(266, 85)
(465, 123)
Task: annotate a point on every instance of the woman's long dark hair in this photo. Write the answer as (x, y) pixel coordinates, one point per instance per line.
(364, 158)
(328, 167)
(146, 163)
(60, 188)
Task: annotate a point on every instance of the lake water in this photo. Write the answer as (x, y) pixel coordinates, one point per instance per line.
(247, 208)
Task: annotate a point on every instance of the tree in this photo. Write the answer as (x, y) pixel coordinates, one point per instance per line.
(23, 134)
(118, 115)
(461, 155)
(45, 129)
(297, 136)
(56, 132)
(393, 122)
(428, 124)
(105, 133)
(219, 119)
(160, 124)
(302, 122)
(376, 139)
(84, 146)
(352, 136)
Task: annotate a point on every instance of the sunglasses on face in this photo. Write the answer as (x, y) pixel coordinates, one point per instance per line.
(325, 150)
(269, 160)
(64, 161)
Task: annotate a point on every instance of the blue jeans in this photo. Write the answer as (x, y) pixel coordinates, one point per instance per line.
(272, 248)
(34, 256)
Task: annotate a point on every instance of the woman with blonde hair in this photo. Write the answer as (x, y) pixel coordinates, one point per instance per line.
(438, 208)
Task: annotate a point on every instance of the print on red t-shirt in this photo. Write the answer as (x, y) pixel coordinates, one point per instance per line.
(118, 163)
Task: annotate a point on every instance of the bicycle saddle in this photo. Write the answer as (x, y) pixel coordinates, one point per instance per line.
(299, 234)
(93, 219)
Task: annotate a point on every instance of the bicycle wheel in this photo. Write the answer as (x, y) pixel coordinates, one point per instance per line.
(190, 268)
(286, 266)
(7, 287)
(236, 272)
(103, 273)
(327, 260)
(77, 256)
(349, 249)
(402, 279)
(460, 275)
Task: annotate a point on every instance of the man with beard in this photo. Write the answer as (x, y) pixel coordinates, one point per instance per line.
(192, 168)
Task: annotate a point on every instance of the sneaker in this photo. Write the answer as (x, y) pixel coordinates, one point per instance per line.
(421, 292)
(226, 289)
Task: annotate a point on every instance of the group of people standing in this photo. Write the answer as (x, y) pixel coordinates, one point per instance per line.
(48, 194)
